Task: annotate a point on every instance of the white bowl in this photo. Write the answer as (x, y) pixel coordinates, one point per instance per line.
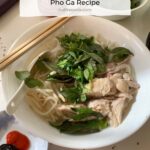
(137, 116)
(133, 11)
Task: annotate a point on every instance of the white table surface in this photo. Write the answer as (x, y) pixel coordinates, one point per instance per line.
(12, 26)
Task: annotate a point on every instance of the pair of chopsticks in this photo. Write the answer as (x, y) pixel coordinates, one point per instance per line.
(24, 47)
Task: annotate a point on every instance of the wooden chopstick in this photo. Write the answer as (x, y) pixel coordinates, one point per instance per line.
(20, 50)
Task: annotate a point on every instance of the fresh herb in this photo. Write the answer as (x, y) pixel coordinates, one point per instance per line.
(84, 127)
(62, 78)
(86, 74)
(40, 64)
(44, 64)
(74, 41)
(96, 48)
(119, 54)
(81, 58)
(93, 56)
(22, 75)
(90, 70)
(84, 121)
(29, 81)
(135, 3)
(74, 94)
(84, 113)
(77, 73)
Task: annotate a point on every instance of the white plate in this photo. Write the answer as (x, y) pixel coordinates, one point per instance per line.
(140, 111)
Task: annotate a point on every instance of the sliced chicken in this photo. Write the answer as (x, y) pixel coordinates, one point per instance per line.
(122, 86)
(125, 95)
(100, 105)
(124, 82)
(102, 87)
(113, 109)
(115, 77)
(133, 84)
(118, 108)
(127, 76)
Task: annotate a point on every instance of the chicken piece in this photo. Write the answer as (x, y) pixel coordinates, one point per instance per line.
(118, 108)
(126, 96)
(133, 84)
(113, 109)
(100, 105)
(115, 77)
(123, 82)
(127, 76)
(102, 87)
(122, 86)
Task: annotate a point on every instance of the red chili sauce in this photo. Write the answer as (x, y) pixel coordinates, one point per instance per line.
(20, 141)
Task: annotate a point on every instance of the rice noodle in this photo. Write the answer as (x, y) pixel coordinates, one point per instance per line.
(44, 102)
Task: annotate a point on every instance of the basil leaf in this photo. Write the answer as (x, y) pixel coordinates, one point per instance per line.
(83, 113)
(81, 59)
(31, 82)
(73, 41)
(22, 75)
(94, 56)
(71, 94)
(84, 127)
(60, 78)
(74, 94)
(96, 48)
(101, 68)
(119, 54)
(40, 64)
(73, 54)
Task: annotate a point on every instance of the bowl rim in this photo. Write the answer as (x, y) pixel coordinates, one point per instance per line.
(108, 21)
(140, 6)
